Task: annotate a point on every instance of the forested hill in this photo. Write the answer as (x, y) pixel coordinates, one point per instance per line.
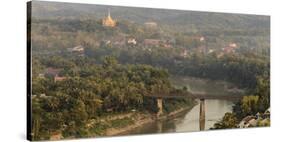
(198, 20)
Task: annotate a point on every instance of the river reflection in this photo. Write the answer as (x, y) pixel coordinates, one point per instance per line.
(189, 121)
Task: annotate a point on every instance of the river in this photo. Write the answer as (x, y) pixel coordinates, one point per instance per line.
(188, 121)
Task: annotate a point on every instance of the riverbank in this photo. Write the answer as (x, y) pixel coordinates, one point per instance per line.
(141, 119)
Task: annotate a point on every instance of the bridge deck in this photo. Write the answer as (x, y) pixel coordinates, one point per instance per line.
(197, 96)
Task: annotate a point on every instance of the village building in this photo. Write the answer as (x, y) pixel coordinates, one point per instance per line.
(105, 42)
(157, 43)
(219, 55)
(233, 45)
(42, 95)
(119, 41)
(166, 44)
(56, 136)
(252, 123)
(201, 49)
(184, 53)
(211, 51)
(59, 78)
(201, 39)
(198, 38)
(78, 49)
(267, 113)
(131, 41)
(52, 72)
(260, 119)
(150, 25)
(146, 49)
(152, 42)
(231, 48)
(245, 122)
(41, 75)
(108, 21)
(258, 116)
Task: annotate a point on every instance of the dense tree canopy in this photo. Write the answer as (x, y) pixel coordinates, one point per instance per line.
(97, 90)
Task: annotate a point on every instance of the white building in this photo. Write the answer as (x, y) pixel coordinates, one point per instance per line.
(132, 41)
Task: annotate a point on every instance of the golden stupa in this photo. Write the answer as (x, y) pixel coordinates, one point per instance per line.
(108, 21)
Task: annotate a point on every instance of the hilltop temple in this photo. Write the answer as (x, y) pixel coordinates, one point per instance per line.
(108, 21)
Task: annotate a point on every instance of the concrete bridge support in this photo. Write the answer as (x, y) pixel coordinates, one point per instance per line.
(159, 126)
(160, 106)
(202, 115)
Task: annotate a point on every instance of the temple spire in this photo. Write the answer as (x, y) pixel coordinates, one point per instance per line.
(108, 13)
(108, 21)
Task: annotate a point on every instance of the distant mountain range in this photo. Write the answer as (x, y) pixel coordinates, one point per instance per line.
(201, 20)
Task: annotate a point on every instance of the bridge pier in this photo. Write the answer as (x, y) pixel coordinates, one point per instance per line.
(202, 115)
(159, 126)
(160, 106)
